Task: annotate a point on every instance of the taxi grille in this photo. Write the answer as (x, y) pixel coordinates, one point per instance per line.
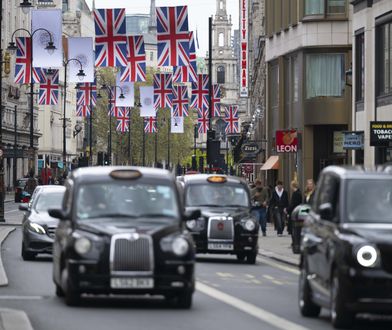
(131, 254)
(220, 228)
(386, 257)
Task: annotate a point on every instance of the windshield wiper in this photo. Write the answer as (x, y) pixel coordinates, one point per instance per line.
(234, 205)
(155, 215)
(112, 215)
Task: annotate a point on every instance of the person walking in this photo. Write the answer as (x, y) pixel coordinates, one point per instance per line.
(309, 191)
(260, 199)
(296, 199)
(31, 183)
(278, 205)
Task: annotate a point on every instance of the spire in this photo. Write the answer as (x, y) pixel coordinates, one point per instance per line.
(93, 5)
(221, 8)
(152, 25)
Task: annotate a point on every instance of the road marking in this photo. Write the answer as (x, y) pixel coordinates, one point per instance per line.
(248, 308)
(11, 211)
(249, 276)
(256, 281)
(224, 274)
(269, 262)
(21, 297)
(272, 279)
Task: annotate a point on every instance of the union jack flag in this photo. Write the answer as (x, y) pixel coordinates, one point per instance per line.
(150, 124)
(163, 90)
(123, 120)
(200, 92)
(49, 89)
(172, 36)
(136, 60)
(232, 120)
(23, 62)
(216, 100)
(187, 73)
(110, 37)
(202, 121)
(180, 101)
(85, 90)
(83, 111)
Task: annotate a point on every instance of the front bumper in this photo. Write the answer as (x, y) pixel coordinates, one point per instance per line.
(37, 243)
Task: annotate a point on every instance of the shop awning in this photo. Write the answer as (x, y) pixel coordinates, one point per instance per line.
(272, 163)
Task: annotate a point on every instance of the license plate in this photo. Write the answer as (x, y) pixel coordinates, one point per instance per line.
(131, 283)
(220, 246)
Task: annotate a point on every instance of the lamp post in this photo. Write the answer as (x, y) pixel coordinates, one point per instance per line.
(1, 121)
(12, 49)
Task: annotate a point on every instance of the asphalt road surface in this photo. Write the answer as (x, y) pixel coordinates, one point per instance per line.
(230, 295)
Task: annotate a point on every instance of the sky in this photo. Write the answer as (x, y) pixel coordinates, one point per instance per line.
(198, 13)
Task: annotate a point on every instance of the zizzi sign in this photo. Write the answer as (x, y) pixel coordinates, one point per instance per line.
(286, 141)
(250, 148)
(380, 133)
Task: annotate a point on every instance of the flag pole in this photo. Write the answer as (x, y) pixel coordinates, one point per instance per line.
(209, 85)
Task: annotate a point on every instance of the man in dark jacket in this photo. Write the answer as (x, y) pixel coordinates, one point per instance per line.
(278, 204)
(296, 199)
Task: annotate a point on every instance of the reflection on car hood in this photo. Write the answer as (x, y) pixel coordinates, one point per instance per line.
(222, 211)
(43, 218)
(377, 233)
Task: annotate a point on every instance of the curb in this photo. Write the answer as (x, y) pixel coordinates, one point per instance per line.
(11, 319)
(3, 275)
(276, 257)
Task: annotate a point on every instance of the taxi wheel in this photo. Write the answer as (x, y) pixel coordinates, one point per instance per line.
(306, 306)
(59, 291)
(71, 295)
(184, 299)
(241, 256)
(251, 258)
(341, 317)
(26, 255)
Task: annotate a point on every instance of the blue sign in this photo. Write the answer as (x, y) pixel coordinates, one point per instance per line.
(353, 140)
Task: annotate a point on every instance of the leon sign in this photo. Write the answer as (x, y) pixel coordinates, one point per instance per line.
(286, 141)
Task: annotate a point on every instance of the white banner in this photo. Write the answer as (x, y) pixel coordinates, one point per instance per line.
(177, 125)
(128, 90)
(147, 101)
(51, 20)
(80, 48)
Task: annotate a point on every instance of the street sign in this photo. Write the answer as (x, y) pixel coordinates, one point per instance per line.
(250, 148)
(380, 133)
(287, 141)
(353, 140)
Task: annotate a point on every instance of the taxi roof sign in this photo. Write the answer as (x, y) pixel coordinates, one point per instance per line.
(216, 179)
(125, 174)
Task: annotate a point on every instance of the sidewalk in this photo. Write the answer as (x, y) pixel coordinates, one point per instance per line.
(9, 197)
(278, 248)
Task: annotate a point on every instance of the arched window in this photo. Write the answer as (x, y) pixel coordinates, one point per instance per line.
(220, 77)
(221, 41)
(221, 4)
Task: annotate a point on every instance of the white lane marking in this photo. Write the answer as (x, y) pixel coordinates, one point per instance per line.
(249, 276)
(224, 274)
(11, 211)
(257, 312)
(269, 262)
(21, 297)
(272, 279)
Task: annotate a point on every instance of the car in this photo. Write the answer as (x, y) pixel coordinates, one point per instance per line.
(19, 189)
(226, 225)
(121, 233)
(346, 246)
(38, 227)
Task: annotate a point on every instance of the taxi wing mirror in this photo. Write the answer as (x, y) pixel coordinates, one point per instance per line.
(57, 213)
(194, 214)
(326, 211)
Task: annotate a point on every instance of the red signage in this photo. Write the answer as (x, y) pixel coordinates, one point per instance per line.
(244, 48)
(287, 141)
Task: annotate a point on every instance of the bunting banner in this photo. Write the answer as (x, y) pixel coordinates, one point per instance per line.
(49, 88)
(136, 60)
(163, 90)
(146, 99)
(123, 119)
(177, 125)
(128, 91)
(150, 125)
(202, 121)
(232, 120)
(81, 49)
(216, 100)
(52, 21)
(110, 38)
(172, 36)
(188, 73)
(83, 111)
(86, 94)
(180, 101)
(23, 62)
(200, 92)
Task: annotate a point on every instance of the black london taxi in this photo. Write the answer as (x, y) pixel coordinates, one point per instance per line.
(226, 224)
(120, 232)
(346, 249)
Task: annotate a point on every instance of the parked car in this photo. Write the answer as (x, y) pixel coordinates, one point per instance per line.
(346, 250)
(226, 225)
(19, 189)
(37, 225)
(120, 232)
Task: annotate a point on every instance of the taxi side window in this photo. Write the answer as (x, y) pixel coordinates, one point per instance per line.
(329, 193)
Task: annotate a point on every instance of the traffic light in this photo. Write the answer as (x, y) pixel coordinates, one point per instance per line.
(106, 159)
(100, 158)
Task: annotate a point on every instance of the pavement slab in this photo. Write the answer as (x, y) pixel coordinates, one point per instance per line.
(11, 319)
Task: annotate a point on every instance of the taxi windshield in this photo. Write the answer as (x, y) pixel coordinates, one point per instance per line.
(369, 201)
(216, 194)
(129, 201)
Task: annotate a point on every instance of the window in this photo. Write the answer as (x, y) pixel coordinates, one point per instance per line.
(274, 91)
(318, 7)
(314, 7)
(221, 41)
(221, 4)
(151, 56)
(384, 52)
(324, 75)
(220, 74)
(336, 6)
(359, 66)
(65, 5)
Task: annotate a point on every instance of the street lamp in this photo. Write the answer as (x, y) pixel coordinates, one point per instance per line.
(26, 5)
(50, 48)
(80, 75)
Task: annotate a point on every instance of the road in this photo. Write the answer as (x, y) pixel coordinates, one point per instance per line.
(230, 295)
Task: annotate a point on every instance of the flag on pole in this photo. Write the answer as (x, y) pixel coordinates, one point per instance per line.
(150, 124)
(200, 92)
(123, 120)
(232, 120)
(177, 125)
(172, 36)
(52, 21)
(136, 60)
(187, 73)
(85, 90)
(128, 91)
(202, 121)
(83, 111)
(163, 90)
(146, 99)
(81, 48)
(110, 37)
(180, 101)
(49, 88)
(216, 100)
(23, 63)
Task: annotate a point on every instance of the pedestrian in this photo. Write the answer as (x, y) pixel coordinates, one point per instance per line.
(260, 200)
(309, 191)
(278, 204)
(296, 199)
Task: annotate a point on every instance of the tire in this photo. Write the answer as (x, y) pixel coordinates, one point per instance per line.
(306, 306)
(71, 295)
(341, 318)
(184, 299)
(26, 255)
(241, 256)
(59, 291)
(251, 258)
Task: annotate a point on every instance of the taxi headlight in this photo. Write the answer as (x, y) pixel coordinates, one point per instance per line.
(180, 246)
(250, 225)
(191, 224)
(82, 245)
(367, 256)
(37, 228)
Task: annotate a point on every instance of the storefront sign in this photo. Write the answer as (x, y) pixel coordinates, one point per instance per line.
(250, 148)
(380, 133)
(244, 48)
(338, 142)
(287, 141)
(353, 140)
